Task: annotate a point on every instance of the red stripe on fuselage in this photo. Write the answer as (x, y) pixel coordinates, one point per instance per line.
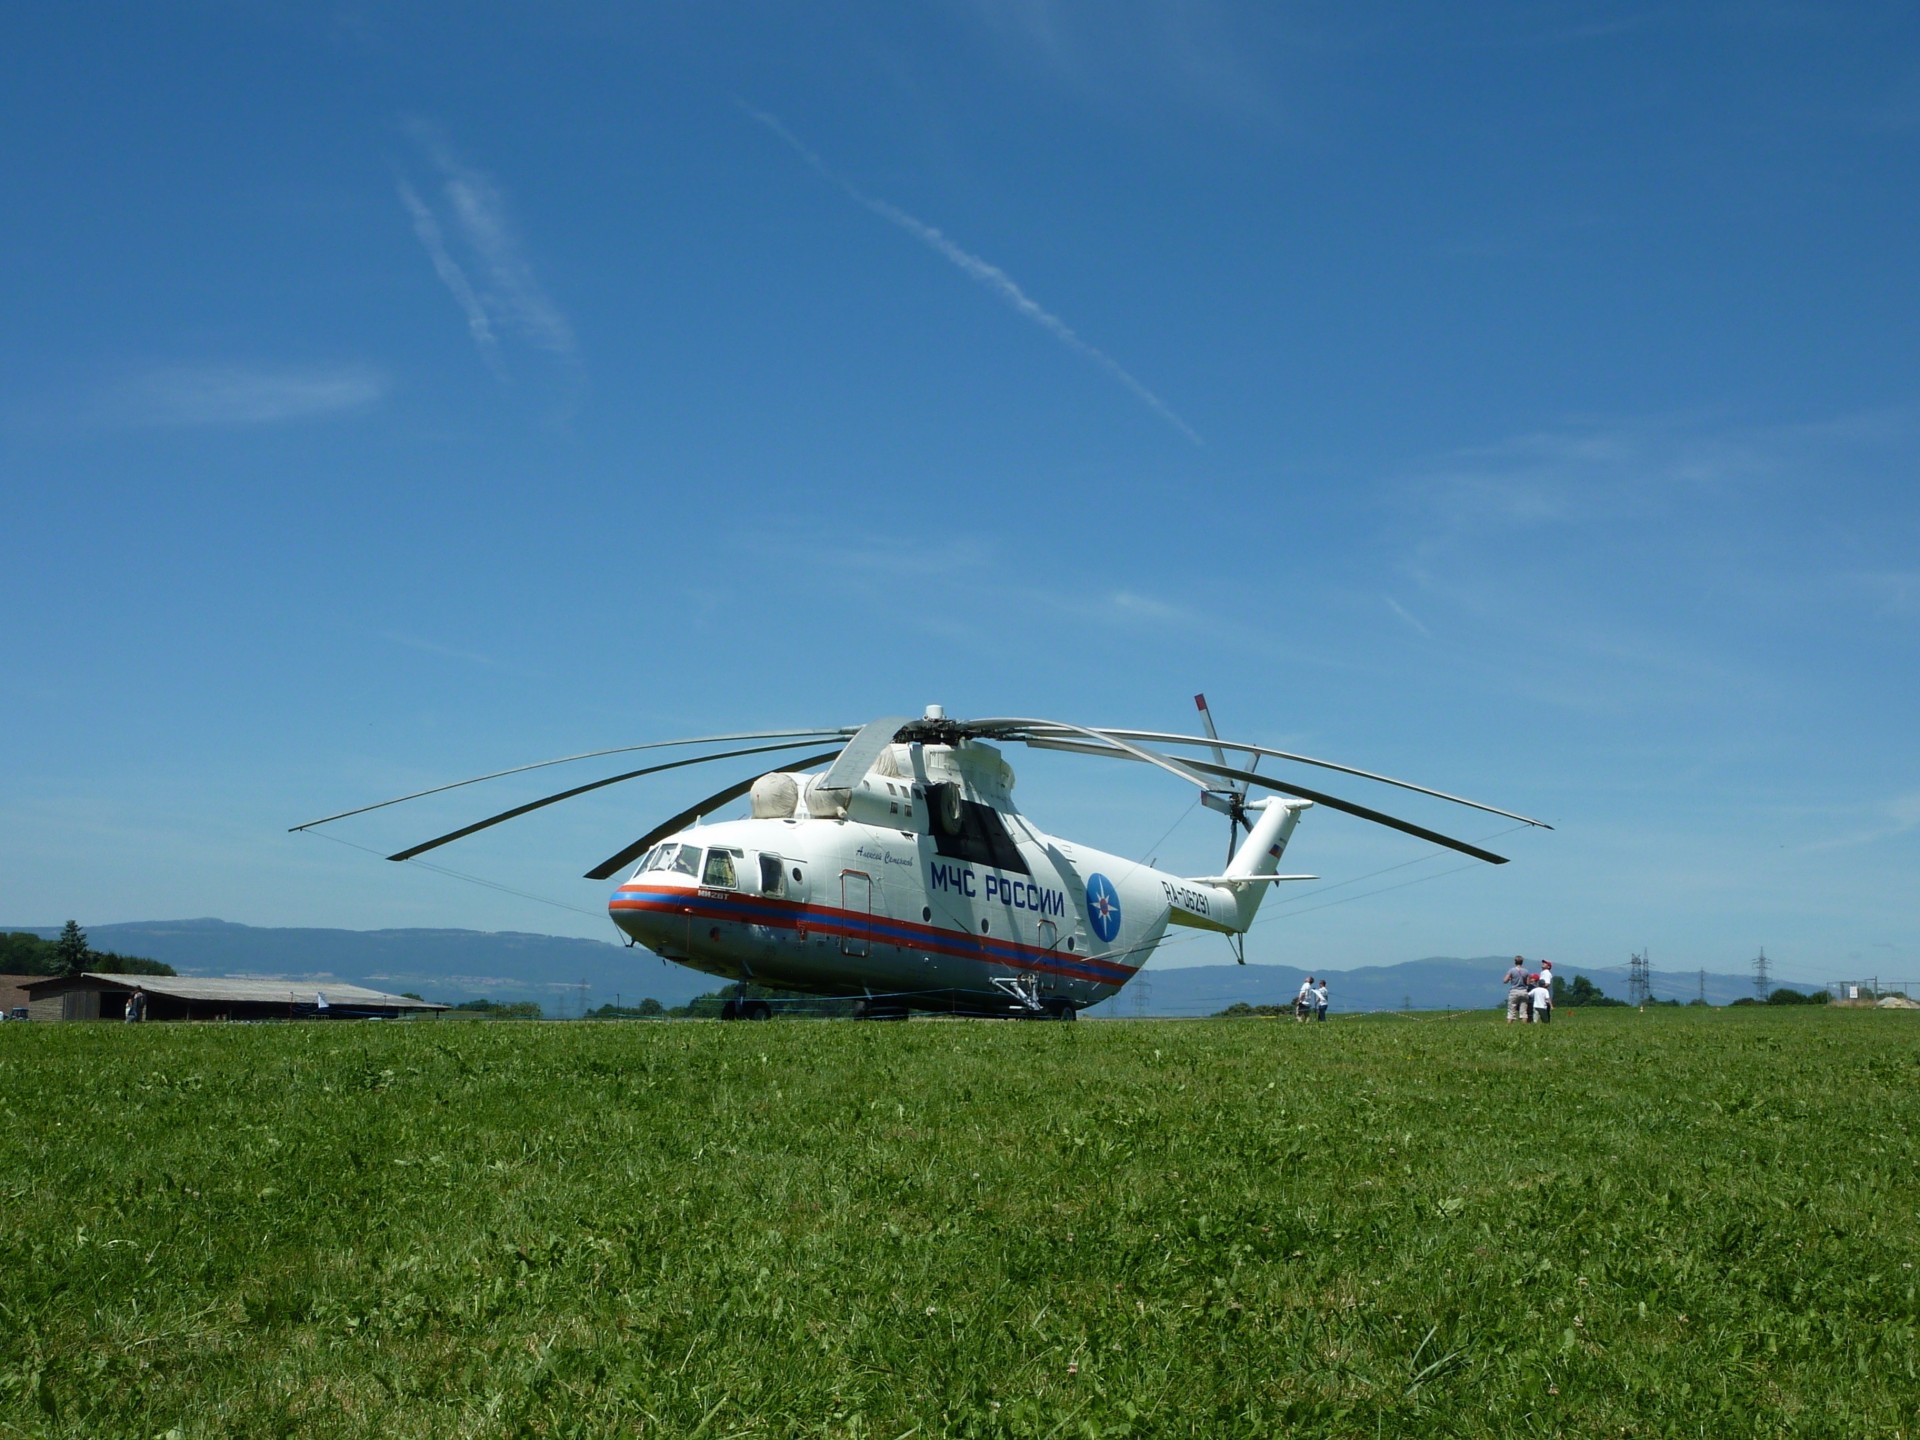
(734, 907)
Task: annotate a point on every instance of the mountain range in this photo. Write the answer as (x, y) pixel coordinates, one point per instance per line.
(567, 975)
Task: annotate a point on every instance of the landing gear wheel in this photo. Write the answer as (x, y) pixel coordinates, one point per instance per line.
(755, 1010)
(729, 1009)
(1061, 1009)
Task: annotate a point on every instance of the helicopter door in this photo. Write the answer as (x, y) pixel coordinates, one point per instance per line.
(856, 898)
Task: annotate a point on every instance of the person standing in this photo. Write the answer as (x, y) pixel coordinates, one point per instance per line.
(1542, 999)
(1303, 1002)
(1516, 982)
(1320, 1001)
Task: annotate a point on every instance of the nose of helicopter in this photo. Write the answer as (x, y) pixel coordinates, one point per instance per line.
(634, 916)
(653, 914)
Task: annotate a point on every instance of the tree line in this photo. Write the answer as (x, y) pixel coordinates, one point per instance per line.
(24, 953)
(707, 1007)
(701, 1007)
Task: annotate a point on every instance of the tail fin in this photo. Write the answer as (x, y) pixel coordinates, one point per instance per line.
(1259, 856)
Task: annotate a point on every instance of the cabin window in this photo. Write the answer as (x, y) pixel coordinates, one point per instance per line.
(685, 860)
(772, 882)
(719, 872)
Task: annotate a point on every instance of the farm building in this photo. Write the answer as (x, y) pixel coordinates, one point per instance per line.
(12, 994)
(222, 997)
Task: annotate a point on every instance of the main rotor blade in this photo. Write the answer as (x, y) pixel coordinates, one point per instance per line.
(1219, 755)
(1161, 738)
(606, 868)
(1405, 827)
(1007, 729)
(1227, 772)
(799, 736)
(860, 753)
(532, 805)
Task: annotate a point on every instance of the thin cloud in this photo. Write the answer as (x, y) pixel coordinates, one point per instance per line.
(982, 272)
(1893, 592)
(1200, 53)
(190, 395)
(453, 277)
(467, 234)
(428, 647)
(1133, 605)
(1400, 610)
(1133, 611)
(1896, 816)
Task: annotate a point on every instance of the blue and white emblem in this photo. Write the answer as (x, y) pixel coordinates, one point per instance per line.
(1103, 908)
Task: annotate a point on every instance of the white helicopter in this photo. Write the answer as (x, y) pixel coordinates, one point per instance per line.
(905, 876)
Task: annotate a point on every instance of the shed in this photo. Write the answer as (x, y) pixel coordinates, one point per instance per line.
(13, 994)
(94, 996)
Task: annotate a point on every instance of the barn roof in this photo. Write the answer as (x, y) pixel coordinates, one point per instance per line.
(250, 989)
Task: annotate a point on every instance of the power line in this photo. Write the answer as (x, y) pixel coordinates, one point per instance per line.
(1639, 980)
(461, 875)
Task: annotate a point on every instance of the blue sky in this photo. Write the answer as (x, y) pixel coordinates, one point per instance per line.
(1521, 399)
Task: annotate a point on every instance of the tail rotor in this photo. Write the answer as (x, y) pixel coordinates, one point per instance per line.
(1232, 802)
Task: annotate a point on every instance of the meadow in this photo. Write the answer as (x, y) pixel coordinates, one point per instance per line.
(1682, 1222)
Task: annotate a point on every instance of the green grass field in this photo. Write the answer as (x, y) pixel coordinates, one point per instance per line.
(1682, 1222)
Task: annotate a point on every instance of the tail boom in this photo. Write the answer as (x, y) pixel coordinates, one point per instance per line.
(1228, 903)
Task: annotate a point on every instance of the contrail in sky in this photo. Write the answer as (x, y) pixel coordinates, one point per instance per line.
(427, 228)
(496, 289)
(991, 276)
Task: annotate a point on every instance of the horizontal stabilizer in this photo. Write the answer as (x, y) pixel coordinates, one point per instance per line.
(1245, 879)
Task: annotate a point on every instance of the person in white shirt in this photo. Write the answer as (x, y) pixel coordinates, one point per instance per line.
(1303, 1002)
(1320, 1001)
(1542, 999)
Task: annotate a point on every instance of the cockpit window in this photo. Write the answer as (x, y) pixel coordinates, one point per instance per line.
(719, 872)
(685, 860)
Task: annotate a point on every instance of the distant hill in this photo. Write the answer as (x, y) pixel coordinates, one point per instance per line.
(510, 966)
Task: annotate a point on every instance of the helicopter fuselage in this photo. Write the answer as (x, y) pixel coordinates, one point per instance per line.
(921, 887)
